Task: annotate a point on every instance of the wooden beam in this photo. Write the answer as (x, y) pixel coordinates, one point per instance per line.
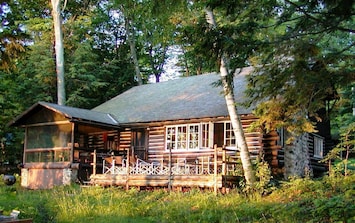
(48, 123)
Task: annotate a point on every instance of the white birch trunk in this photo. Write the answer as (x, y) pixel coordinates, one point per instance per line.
(233, 114)
(59, 51)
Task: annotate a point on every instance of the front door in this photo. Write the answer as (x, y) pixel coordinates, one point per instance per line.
(140, 140)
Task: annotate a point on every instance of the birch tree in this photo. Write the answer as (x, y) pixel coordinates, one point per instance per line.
(232, 110)
(59, 51)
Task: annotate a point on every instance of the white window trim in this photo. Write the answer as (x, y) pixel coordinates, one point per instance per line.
(199, 142)
(211, 135)
(318, 146)
(281, 138)
(233, 147)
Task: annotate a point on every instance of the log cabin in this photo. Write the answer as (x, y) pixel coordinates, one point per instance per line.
(172, 134)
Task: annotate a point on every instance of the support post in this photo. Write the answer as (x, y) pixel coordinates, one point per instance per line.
(72, 143)
(94, 164)
(224, 164)
(127, 169)
(215, 169)
(170, 172)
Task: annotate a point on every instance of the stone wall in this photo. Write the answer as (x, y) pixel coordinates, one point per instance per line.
(297, 160)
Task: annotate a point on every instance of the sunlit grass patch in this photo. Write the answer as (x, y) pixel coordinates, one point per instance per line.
(329, 199)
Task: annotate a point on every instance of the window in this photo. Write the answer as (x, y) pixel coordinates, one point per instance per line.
(318, 146)
(229, 138)
(205, 135)
(48, 143)
(223, 135)
(139, 143)
(193, 136)
(281, 138)
(185, 137)
(181, 137)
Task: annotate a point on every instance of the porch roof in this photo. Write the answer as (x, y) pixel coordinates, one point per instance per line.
(180, 99)
(71, 113)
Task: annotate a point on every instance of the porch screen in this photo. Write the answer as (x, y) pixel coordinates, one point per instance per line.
(48, 143)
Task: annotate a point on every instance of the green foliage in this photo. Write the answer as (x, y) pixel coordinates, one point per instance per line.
(263, 173)
(84, 84)
(302, 63)
(12, 35)
(299, 200)
(237, 36)
(326, 200)
(10, 139)
(343, 151)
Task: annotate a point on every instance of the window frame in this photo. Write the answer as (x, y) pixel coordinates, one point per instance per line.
(229, 136)
(318, 146)
(180, 137)
(281, 139)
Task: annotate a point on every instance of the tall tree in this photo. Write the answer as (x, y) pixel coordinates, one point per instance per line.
(157, 36)
(12, 35)
(59, 50)
(129, 11)
(300, 67)
(232, 110)
(149, 34)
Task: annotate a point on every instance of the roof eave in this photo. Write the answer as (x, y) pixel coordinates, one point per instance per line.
(93, 123)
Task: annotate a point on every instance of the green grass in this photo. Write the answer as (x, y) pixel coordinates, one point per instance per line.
(299, 200)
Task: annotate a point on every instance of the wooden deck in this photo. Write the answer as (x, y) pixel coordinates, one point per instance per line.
(173, 181)
(209, 170)
(178, 175)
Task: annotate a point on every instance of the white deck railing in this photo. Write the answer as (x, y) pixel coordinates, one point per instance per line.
(216, 161)
(156, 168)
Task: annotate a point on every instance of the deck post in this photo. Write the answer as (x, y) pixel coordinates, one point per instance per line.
(170, 172)
(127, 169)
(72, 143)
(224, 164)
(215, 169)
(94, 163)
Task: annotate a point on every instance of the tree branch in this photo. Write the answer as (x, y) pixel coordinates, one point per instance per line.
(324, 23)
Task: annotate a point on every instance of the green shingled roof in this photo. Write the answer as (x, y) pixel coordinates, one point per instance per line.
(183, 98)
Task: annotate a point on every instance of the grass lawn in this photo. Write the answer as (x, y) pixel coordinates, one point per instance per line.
(301, 200)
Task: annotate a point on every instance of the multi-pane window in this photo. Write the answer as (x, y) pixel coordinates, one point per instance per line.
(318, 146)
(184, 137)
(193, 136)
(171, 137)
(181, 137)
(204, 135)
(229, 138)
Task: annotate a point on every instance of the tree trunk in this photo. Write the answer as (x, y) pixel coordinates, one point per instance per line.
(233, 114)
(59, 51)
(132, 45)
